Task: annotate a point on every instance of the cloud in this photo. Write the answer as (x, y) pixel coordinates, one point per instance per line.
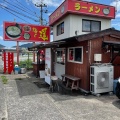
(49, 14)
(1, 25)
(4, 4)
(117, 5)
(1, 38)
(118, 15)
(115, 24)
(53, 3)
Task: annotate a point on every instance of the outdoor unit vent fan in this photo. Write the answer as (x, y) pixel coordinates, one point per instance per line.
(101, 78)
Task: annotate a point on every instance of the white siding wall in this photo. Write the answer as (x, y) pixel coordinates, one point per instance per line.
(59, 70)
(74, 22)
(66, 33)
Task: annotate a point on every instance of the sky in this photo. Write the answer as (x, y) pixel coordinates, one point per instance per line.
(26, 11)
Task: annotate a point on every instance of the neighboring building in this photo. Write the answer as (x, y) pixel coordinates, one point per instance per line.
(1, 48)
(12, 50)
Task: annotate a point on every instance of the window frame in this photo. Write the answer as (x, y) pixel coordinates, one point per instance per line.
(81, 62)
(90, 25)
(60, 28)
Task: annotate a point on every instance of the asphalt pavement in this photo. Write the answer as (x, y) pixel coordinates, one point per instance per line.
(22, 99)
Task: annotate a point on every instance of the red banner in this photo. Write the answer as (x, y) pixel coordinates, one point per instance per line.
(26, 32)
(8, 62)
(82, 7)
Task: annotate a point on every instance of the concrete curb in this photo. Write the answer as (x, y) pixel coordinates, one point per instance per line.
(3, 105)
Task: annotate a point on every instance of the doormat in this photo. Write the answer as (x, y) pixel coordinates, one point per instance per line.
(41, 84)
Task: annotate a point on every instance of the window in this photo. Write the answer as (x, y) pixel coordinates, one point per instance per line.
(91, 26)
(86, 26)
(75, 54)
(61, 56)
(60, 28)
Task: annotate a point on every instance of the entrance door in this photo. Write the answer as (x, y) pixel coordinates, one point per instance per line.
(60, 62)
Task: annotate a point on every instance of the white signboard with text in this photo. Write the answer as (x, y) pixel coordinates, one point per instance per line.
(48, 65)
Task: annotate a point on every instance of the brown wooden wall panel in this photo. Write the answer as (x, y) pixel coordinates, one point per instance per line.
(106, 56)
(79, 70)
(83, 70)
(116, 72)
(117, 60)
(37, 68)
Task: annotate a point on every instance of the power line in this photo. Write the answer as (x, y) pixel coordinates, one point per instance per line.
(21, 9)
(17, 12)
(23, 6)
(15, 15)
(41, 11)
(32, 7)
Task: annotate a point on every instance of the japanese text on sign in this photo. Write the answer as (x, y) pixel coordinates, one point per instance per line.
(92, 8)
(42, 33)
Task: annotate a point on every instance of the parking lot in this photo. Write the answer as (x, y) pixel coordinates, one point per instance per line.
(24, 100)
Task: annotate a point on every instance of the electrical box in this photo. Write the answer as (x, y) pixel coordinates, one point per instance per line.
(98, 57)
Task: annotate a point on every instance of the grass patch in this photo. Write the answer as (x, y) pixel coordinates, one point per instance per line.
(18, 78)
(4, 79)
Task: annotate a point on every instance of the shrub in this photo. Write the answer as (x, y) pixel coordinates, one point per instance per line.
(26, 63)
(4, 79)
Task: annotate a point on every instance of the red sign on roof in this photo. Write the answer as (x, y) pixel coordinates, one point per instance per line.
(84, 8)
(26, 32)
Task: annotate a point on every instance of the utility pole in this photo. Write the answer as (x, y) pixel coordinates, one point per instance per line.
(41, 23)
(41, 20)
(41, 11)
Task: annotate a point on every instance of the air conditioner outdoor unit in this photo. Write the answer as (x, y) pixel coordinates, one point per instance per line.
(101, 78)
